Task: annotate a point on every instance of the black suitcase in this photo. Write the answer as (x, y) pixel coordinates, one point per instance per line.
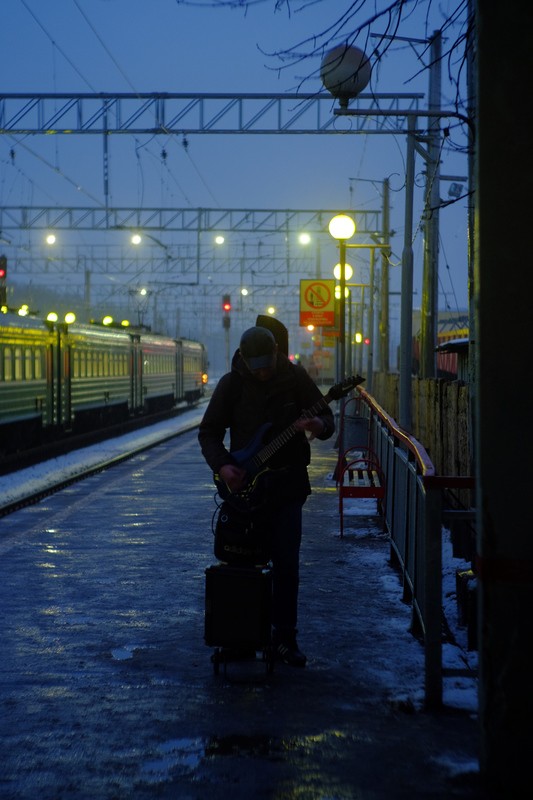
(238, 603)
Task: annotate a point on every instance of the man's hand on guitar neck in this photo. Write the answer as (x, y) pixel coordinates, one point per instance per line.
(234, 477)
(315, 425)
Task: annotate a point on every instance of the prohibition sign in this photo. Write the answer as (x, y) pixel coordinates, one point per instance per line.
(317, 302)
(317, 295)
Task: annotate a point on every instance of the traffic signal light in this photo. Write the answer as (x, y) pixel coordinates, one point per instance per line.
(226, 307)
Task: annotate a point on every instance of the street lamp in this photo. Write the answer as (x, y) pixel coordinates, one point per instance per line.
(341, 228)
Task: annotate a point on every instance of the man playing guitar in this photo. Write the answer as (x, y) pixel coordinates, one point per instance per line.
(262, 402)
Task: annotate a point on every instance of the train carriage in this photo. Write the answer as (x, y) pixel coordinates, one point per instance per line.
(158, 372)
(57, 378)
(95, 386)
(27, 402)
(193, 370)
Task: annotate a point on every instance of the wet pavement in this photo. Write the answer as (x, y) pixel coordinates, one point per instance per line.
(108, 690)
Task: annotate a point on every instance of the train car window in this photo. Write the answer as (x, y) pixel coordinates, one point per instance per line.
(28, 364)
(76, 364)
(8, 364)
(17, 364)
(100, 365)
(106, 365)
(38, 359)
(89, 365)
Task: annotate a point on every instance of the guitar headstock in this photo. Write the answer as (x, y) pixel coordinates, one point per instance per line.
(341, 389)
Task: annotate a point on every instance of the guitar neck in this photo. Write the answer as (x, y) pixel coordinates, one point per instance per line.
(266, 452)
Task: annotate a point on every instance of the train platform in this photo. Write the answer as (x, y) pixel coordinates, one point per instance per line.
(108, 690)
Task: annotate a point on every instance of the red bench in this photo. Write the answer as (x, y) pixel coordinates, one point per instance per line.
(360, 476)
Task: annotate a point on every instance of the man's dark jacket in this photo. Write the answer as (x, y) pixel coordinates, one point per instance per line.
(243, 404)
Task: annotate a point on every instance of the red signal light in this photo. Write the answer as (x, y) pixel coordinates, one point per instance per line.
(226, 303)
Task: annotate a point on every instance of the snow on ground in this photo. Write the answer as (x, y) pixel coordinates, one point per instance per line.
(17, 485)
(460, 691)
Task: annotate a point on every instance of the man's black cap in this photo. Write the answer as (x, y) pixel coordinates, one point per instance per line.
(258, 348)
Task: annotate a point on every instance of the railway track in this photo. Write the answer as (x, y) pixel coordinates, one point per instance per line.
(53, 480)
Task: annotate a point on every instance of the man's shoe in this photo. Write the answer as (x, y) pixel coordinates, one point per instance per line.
(287, 650)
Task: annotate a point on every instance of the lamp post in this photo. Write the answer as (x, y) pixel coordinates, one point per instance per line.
(341, 228)
(385, 248)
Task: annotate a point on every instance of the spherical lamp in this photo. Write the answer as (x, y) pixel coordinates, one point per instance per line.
(345, 71)
(342, 227)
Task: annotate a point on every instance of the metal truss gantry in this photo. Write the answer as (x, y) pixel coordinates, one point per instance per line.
(184, 220)
(169, 113)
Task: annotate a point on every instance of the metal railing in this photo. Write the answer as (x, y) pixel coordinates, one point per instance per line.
(414, 509)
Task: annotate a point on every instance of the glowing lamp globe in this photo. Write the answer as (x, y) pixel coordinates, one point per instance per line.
(348, 271)
(345, 71)
(342, 227)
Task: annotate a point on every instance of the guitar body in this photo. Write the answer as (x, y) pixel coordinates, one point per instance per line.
(255, 495)
(244, 457)
(259, 478)
(260, 488)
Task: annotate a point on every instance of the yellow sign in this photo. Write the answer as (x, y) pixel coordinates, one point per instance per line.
(317, 302)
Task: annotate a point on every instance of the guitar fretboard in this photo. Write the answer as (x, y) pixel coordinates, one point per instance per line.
(272, 447)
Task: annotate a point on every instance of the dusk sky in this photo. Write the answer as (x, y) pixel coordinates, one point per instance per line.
(91, 46)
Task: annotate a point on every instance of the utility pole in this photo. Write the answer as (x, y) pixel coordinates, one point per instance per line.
(384, 345)
(430, 282)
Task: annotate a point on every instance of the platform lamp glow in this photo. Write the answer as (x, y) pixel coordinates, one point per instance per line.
(342, 228)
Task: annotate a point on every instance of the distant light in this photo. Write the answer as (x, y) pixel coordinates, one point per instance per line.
(23, 311)
(52, 317)
(348, 271)
(304, 238)
(358, 338)
(338, 292)
(271, 310)
(143, 292)
(50, 239)
(310, 328)
(70, 317)
(136, 238)
(244, 291)
(107, 320)
(219, 240)
(125, 323)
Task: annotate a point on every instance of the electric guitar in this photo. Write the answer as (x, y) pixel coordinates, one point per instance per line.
(254, 457)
